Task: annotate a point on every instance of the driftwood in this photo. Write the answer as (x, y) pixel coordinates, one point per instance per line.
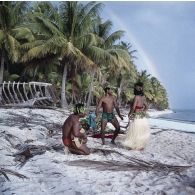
(4, 172)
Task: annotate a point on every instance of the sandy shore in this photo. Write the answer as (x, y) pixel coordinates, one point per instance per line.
(107, 170)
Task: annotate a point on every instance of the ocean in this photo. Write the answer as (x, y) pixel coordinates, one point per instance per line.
(185, 116)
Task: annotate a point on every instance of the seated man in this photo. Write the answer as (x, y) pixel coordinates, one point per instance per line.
(73, 135)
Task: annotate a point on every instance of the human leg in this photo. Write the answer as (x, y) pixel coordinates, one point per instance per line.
(103, 126)
(115, 123)
(81, 150)
(76, 151)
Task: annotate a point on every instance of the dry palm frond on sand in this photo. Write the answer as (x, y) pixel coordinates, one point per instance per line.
(131, 164)
(4, 172)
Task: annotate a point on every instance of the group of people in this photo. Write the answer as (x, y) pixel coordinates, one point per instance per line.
(138, 132)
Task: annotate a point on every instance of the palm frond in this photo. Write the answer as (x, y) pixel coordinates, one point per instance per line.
(19, 11)
(122, 56)
(87, 16)
(1, 37)
(52, 46)
(114, 37)
(100, 55)
(30, 45)
(23, 33)
(88, 39)
(104, 29)
(12, 48)
(46, 26)
(5, 17)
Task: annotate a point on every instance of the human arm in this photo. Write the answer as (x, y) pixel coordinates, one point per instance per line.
(76, 131)
(117, 108)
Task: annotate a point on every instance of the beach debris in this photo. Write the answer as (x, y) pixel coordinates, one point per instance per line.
(28, 151)
(131, 164)
(125, 166)
(27, 94)
(4, 172)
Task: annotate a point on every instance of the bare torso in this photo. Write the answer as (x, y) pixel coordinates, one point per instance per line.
(68, 126)
(70, 131)
(139, 103)
(108, 103)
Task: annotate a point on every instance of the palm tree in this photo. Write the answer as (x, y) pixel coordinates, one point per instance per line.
(145, 78)
(115, 57)
(12, 31)
(62, 38)
(70, 38)
(127, 77)
(159, 94)
(78, 19)
(154, 91)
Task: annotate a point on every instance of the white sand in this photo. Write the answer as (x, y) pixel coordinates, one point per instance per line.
(51, 173)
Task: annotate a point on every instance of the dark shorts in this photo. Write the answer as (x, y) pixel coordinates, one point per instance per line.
(108, 116)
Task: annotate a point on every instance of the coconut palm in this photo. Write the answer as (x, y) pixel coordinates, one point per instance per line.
(72, 41)
(12, 32)
(116, 58)
(62, 39)
(159, 99)
(145, 78)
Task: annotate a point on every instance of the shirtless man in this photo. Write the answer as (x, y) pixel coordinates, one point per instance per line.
(108, 103)
(73, 136)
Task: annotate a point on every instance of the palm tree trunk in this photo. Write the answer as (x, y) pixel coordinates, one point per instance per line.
(1, 73)
(74, 94)
(64, 103)
(2, 68)
(90, 89)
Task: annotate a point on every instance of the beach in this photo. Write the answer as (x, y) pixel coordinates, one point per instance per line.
(165, 166)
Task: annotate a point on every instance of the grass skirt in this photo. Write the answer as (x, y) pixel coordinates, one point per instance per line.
(137, 135)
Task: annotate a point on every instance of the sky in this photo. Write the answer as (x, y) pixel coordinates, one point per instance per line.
(163, 33)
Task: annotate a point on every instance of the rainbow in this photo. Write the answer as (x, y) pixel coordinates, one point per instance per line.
(145, 62)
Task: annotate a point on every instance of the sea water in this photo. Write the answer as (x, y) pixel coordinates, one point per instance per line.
(182, 120)
(186, 116)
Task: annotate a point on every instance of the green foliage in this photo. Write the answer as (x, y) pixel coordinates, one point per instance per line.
(10, 77)
(141, 114)
(45, 38)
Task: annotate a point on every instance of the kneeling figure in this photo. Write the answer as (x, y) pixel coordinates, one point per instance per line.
(73, 135)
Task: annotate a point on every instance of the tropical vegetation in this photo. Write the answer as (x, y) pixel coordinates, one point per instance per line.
(69, 45)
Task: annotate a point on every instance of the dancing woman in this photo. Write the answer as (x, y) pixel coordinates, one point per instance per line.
(138, 131)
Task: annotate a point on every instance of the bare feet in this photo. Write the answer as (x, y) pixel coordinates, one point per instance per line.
(112, 142)
(103, 141)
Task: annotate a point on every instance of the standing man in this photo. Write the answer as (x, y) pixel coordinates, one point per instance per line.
(73, 136)
(108, 103)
